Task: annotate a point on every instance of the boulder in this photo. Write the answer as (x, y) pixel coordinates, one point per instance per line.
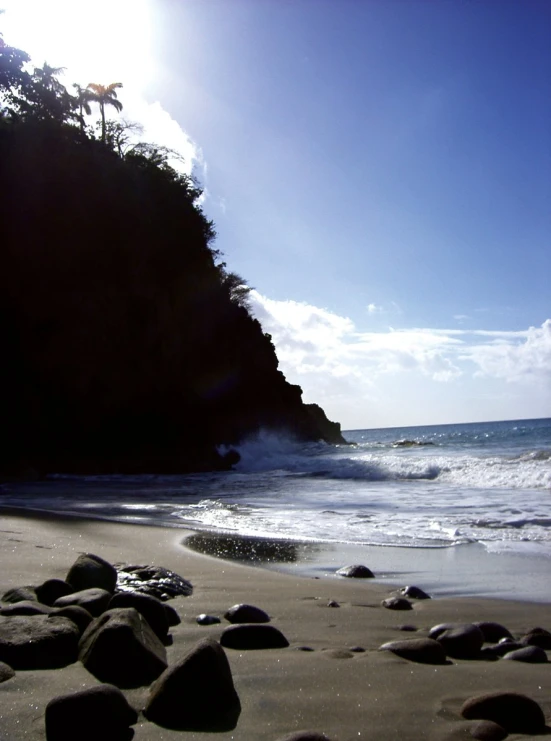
(154, 580)
(414, 593)
(501, 648)
(420, 650)
(356, 571)
(196, 693)
(512, 711)
(150, 607)
(493, 632)
(38, 641)
(79, 616)
(92, 572)
(487, 730)
(537, 637)
(52, 589)
(171, 615)
(528, 654)
(397, 603)
(248, 637)
(6, 672)
(246, 614)
(120, 648)
(95, 600)
(25, 607)
(100, 712)
(19, 594)
(463, 642)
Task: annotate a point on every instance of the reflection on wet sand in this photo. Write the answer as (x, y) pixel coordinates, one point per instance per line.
(249, 549)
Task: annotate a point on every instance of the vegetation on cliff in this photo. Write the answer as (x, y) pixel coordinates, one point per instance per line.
(127, 345)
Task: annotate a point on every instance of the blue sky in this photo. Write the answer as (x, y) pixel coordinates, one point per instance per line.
(380, 173)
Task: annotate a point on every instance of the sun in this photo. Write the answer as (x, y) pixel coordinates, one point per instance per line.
(104, 41)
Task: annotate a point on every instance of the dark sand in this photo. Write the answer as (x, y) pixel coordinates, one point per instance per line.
(370, 695)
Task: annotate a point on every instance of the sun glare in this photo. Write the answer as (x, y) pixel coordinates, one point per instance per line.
(103, 41)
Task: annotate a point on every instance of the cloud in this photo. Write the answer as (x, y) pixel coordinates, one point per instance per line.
(374, 309)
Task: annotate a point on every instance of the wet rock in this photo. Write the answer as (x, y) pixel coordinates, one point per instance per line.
(356, 571)
(203, 677)
(420, 650)
(397, 603)
(246, 614)
(78, 615)
(120, 648)
(493, 632)
(487, 730)
(205, 619)
(537, 637)
(20, 594)
(153, 580)
(514, 712)
(414, 593)
(100, 712)
(52, 589)
(92, 572)
(95, 600)
(528, 654)
(150, 607)
(464, 642)
(305, 736)
(25, 607)
(38, 642)
(6, 672)
(251, 637)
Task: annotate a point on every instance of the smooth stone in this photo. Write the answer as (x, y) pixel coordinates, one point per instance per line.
(529, 654)
(420, 650)
(537, 637)
(514, 712)
(100, 712)
(20, 594)
(253, 637)
(437, 630)
(487, 730)
(501, 648)
(357, 649)
(78, 615)
(493, 632)
(25, 607)
(333, 603)
(462, 643)
(120, 648)
(52, 589)
(407, 628)
(150, 607)
(414, 593)
(205, 619)
(90, 571)
(94, 599)
(38, 641)
(196, 693)
(305, 736)
(397, 603)
(6, 672)
(246, 614)
(356, 571)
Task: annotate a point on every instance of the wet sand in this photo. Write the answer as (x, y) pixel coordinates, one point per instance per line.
(346, 695)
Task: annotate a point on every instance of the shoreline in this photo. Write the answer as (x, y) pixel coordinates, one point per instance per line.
(328, 688)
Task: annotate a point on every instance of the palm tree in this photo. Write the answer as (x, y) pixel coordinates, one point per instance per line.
(105, 95)
(83, 98)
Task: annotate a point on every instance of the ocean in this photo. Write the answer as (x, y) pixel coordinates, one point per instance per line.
(465, 508)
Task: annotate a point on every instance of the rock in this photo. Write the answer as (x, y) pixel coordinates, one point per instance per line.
(150, 607)
(357, 649)
(502, 648)
(529, 654)
(487, 730)
(204, 619)
(493, 632)
(414, 593)
(6, 672)
(462, 643)
(38, 641)
(171, 615)
(305, 736)
(333, 603)
(420, 650)
(100, 712)
(537, 637)
(407, 628)
(52, 589)
(25, 607)
(92, 572)
(95, 600)
(196, 693)
(120, 648)
(19, 594)
(436, 630)
(78, 615)
(253, 637)
(154, 580)
(397, 603)
(356, 571)
(246, 614)
(514, 712)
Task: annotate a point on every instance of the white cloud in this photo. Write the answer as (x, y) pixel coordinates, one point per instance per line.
(374, 309)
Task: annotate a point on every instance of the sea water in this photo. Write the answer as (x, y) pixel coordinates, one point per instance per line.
(424, 493)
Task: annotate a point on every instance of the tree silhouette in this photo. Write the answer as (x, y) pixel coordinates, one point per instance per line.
(83, 99)
(105, 95)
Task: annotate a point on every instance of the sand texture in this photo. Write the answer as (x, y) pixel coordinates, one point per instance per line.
(345, 694)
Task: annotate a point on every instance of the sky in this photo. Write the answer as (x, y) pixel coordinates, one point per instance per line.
(378, 171)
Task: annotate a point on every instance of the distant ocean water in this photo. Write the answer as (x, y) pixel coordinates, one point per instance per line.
(431, 487)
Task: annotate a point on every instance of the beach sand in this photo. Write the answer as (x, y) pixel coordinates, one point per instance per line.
(346, 695)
